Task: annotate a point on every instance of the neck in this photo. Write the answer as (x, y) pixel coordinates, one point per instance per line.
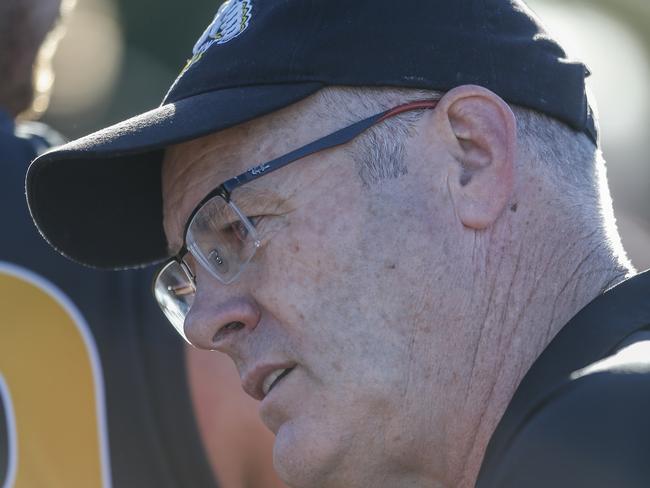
(531, 298)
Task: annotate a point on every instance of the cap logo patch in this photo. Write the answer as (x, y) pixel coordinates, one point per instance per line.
(231, 20)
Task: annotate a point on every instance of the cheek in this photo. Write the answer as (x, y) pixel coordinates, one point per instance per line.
(326, 282)
(318, 263)
(315, 249)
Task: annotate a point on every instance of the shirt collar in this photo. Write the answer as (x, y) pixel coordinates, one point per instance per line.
(594, 333)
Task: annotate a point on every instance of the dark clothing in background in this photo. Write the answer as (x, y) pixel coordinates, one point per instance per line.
(581, 416)
(151, 430)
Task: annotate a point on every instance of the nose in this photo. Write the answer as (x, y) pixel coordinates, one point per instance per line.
(215, 323)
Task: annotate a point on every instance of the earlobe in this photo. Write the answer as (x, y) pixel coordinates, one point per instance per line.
(481, 134)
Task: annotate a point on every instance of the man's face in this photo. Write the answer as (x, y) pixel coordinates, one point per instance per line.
(346, 291)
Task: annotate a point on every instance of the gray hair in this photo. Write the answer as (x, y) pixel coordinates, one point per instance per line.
(569, 163)
(571, 159)
(379, 153)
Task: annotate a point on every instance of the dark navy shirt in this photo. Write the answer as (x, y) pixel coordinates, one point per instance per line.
(581, 416)
(103, 323)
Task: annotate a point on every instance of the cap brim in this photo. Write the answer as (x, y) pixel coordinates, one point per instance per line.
(98, 199)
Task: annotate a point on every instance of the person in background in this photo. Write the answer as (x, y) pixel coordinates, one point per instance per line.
(94, 390)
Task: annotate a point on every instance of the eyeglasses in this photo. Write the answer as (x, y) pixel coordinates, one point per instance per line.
(222, 239)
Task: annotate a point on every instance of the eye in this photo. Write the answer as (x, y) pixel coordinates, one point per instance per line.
(239, 230)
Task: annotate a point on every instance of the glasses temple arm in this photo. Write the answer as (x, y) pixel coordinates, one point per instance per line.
(342, 136)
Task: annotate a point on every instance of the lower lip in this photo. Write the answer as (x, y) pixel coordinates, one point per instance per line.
(271, 394)
(276, 409)
(278, 383)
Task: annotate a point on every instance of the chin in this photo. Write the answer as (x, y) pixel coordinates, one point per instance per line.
(308, 458)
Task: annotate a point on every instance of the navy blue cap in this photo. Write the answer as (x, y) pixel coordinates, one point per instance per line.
(98, 199)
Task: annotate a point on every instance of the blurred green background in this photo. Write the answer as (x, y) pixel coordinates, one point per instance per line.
(119, 57)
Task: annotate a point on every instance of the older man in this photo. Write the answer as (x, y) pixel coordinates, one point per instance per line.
(393, 217)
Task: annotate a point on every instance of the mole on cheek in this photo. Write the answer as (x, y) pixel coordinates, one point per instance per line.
(295, 247)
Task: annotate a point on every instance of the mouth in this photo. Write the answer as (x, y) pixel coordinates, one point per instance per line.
(259, 382)
(274, 378)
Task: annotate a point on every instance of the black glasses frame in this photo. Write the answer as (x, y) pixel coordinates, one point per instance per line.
(338, 138)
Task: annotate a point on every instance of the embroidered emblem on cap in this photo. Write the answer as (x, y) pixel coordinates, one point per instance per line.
(231, 20)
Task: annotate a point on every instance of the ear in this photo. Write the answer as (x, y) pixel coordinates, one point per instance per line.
(479, 130)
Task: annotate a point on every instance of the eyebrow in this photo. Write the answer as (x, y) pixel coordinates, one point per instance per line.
(251, 204)
(251, 201)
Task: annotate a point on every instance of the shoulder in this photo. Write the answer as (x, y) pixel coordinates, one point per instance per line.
(20, 144)
(593, 431)
(15, 151)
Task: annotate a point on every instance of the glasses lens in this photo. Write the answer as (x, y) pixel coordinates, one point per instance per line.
(174, 292)
(222, 239)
